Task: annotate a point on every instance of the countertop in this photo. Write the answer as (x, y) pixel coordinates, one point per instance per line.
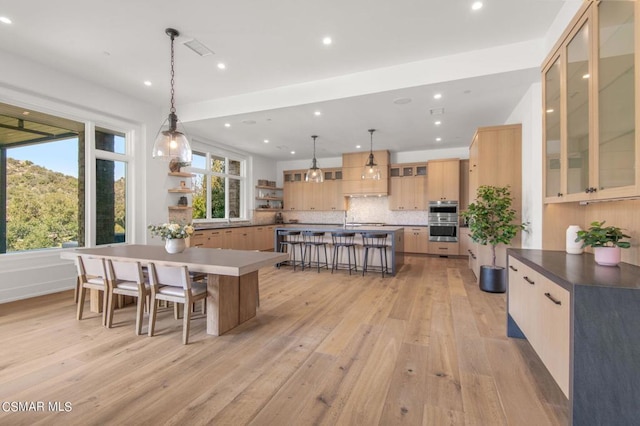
(571, 270)
(328, 228)
(284, 225)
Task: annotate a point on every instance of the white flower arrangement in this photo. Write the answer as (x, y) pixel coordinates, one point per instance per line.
(171, 231)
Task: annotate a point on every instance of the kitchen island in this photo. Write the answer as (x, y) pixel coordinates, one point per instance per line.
(395, 242)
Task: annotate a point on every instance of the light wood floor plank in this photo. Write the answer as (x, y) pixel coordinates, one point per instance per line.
(425, 347)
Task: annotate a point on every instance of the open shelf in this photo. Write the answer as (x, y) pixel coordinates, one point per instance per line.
(181, 190)
(180, 207)
(181, 174)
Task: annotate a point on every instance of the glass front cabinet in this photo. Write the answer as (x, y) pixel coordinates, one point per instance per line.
(590, 106)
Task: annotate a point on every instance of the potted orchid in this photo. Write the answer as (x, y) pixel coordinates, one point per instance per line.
(174, 235)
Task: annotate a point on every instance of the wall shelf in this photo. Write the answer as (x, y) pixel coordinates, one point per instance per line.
(181, 174)
(181, 190)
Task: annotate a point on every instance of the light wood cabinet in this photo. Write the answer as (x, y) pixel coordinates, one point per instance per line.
(541, 309)
(443, 180)
(292, 190)
(301, 195)
(465, 242)
(352, 165)
(495, 159)
(407, 187)
(332, 198)
(443, 248)
(591, 148)
(416, 239)
(208, 238)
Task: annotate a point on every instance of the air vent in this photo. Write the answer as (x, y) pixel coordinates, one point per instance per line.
(198, 47)
(436, 111)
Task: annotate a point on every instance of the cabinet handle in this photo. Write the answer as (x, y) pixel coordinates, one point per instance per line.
(554, 300)
(559, 194)
(512, 268)
(529, 280)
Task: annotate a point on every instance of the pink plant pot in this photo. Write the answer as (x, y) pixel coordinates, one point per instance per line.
(607, 256)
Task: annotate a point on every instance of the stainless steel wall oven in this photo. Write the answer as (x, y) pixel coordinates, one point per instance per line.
(443, 221)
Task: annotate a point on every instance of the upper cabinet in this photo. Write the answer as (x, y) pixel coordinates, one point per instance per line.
(352, 182)
(301, 195)
(407, 187)
(443, 180)
(591, 148)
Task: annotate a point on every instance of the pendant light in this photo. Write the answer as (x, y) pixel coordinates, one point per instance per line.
(172, 144)
(371, 170)
(314, 174)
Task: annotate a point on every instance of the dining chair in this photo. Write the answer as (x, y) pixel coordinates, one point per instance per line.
(92, 274)
(173, 284)
(126, 278)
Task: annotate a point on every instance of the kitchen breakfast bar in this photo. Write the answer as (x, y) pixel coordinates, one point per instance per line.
(394, 241)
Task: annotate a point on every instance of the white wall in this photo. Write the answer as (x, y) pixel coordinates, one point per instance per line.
(528, 112)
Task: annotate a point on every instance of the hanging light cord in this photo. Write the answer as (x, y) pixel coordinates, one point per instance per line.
(173, 107)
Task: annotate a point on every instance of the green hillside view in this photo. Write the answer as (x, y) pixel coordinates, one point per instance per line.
(42, 207)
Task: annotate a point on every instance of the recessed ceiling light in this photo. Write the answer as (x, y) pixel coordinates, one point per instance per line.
(5, 20)
(327, 41)
(477, 5)
(227, 124)
(586, 76)
(25, 113)
(401, 101)
(266, 141)
(358, 147)
(317, 113)
(437, 96)
(550, 110)
(147, 83)
(437, 123)
(438, 139)
(221, 66)
(293, 152)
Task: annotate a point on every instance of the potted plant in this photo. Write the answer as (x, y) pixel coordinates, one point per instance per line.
(174, 235)
(605, 242)
(491, 222)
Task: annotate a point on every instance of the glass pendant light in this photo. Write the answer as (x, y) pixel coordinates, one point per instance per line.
(371, 170)
(172, 144)
(314, 174)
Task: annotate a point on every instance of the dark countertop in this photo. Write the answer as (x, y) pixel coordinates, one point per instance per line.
(329, 228)
(571, 270)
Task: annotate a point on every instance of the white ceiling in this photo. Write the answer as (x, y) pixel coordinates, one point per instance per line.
(267, 44)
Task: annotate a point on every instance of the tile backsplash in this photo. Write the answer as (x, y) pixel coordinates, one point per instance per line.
(361, 209)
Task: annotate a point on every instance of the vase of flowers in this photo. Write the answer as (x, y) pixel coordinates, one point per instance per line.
(605, 241)
(174, 235)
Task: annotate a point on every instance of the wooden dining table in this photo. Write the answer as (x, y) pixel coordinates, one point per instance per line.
(232, 276)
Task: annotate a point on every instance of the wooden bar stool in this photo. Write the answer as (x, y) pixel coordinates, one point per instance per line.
(342, 240)
(290, 241)
(314, 239)
(375, 241)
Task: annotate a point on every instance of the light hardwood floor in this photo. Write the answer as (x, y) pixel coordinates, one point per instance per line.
(423, 348)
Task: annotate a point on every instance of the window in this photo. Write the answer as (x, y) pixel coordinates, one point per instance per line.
(111, 187)
(219, 186)
(43, 184)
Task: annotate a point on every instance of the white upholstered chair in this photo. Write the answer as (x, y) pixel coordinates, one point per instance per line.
(127, 278)
(173, 284)
(92, 274)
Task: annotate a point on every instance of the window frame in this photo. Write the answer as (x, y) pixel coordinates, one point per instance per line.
(208, 152)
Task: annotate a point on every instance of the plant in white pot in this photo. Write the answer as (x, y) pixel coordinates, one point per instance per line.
(605, 241)
(491, 222)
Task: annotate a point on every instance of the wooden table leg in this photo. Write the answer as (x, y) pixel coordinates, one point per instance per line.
(223, 308)
(248, 296)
